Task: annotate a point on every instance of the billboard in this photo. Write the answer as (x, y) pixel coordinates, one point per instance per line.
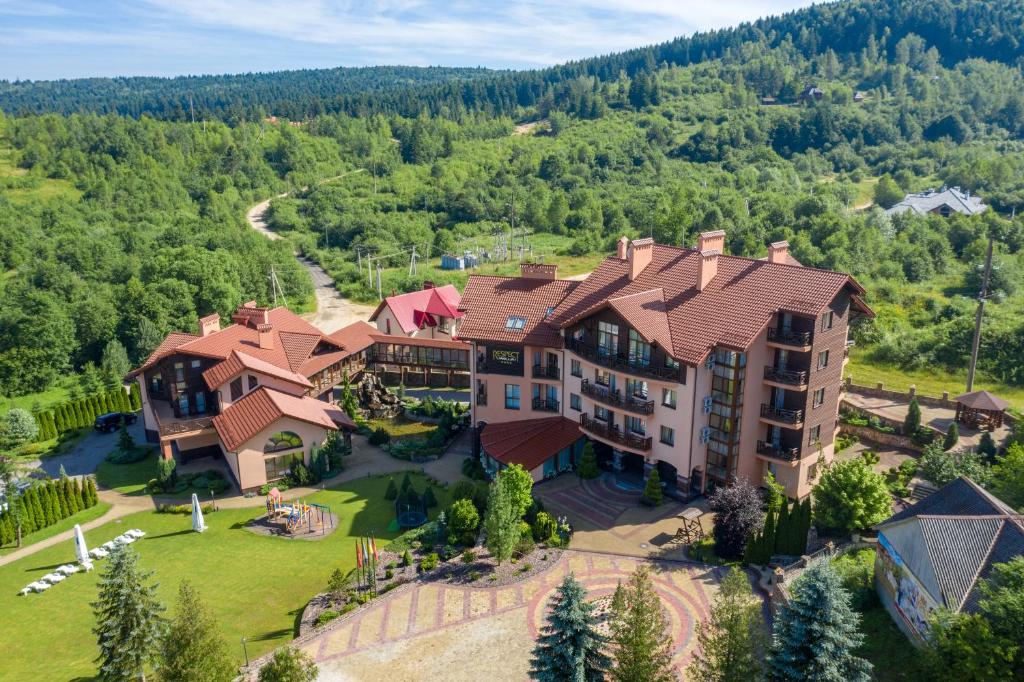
(507, 360)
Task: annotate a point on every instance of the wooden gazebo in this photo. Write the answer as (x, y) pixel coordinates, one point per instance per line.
(980, 410)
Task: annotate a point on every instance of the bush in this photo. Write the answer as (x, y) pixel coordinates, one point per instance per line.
(406, 558)
(652, 491)
(207, 508)
(857, 571)
(128, 456)
(392, 492)
(844, 440)
(380, 436)
(463, 490)
(952, 436)
(468, 557)
(281, 485)
(463, 520)
(587, 467)
(429, 562)
(300, 475)
(472, 468)
(544, 527)
(167, 473)
(326, 617)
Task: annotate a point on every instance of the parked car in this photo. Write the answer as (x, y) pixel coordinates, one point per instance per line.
(105, 423)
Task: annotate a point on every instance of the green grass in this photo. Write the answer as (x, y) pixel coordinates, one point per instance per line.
(402, 427)
(25, 188)
(894, 658)
(58, 393)
(127, 479)
(930, 382)
(82, 517)
(256, 586)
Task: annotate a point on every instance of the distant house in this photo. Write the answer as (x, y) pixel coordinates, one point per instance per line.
(858, 96)
(945, 202)
(769, 101)
(431, 313)
(933, 554)
(811, 92)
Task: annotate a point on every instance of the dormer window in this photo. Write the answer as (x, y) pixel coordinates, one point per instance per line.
(514, 322)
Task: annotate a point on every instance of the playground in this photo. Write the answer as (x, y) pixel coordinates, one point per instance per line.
(256, 585)
(298, 519)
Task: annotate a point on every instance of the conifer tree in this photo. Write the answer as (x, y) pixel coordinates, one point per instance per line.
(93, 496)
(587, 467)
(912, 422)
(69, 494)
(46, 500)
(192, 647)
(61, 427)
(37, 509)
(652, 491)
(782, 530)
(641, 642)
(732, 642)
(62, 499)
(501, 522)
(816, 633)
(952, 436)
(135, 396)
(569, 648)
(80, 500)
(6, 529)
(128, 620)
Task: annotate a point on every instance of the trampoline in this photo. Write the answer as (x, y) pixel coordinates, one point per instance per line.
(410, 515)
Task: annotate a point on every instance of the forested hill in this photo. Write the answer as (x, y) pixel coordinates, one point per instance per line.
(957, 29)
(292, 94)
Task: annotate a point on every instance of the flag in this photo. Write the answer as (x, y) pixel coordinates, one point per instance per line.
(359, 554)
(373, 545)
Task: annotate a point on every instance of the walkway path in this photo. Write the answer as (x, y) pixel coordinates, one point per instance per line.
(332, 311)
(438, 631)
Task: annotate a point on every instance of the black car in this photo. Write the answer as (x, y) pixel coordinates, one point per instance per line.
(112, 421)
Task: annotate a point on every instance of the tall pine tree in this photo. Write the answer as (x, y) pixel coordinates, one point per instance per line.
(192, 646)
(569, 648)
(816, 632)
(731, 644)
(128, 621)
(641, 641)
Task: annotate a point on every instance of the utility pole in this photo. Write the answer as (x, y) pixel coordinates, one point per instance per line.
(982, 296)
(412, 261)
(380, 296)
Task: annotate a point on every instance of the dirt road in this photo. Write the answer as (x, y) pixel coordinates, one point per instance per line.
(332, 311)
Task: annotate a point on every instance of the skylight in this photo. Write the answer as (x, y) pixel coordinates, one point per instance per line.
(514, 322)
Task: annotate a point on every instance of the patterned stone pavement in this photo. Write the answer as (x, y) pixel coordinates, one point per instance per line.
(437, 631)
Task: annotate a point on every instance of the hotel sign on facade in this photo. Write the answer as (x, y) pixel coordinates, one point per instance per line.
(506, 360)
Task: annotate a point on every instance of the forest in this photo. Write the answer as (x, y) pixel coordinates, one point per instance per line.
(117, 229)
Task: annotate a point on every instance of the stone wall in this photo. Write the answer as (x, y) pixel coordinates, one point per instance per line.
(879, 391)
(868, 434)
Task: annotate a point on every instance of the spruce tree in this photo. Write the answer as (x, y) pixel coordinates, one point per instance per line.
(128, 621)
(80, 500)
(69, 493)
(192, 647)
(732, 642)
(501, 522)
(641, 641)
(569, 648)
(816, 632)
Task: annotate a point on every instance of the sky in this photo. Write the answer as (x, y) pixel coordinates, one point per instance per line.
(49, 39)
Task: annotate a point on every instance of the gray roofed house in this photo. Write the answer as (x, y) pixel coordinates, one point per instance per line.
(944, 202)
(934, 554)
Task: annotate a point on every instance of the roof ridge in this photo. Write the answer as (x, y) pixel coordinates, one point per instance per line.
(638, 293)
(981, 564)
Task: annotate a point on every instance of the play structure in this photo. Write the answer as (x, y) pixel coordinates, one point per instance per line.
(296, 514)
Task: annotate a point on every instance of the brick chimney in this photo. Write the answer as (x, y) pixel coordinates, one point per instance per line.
(778, 252)
(209, 324)
(707, 268)
(266, 335)
(711, 240)
(537, 271)
(639, 256)
(621, 247)
(249, 304)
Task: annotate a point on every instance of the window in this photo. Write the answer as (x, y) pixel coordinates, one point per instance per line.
(183, 403)
(200, 399)
(819, 397)
(639, 350)
(602, 414)
(823, 359)
(236, 389)
(636, 425)
(281, 441)
(603, 377)
(812, 472)
(826, 320)
(671, 363)
(278, 467)
(574, 402)
(668, 436)
(442, 324)
(511, 396)
(550, 311)
(179, 371)
(576, 368)
(636, 388)
(253, 382)
(514, 322)
(814, 435)
(668, 398)
(607, 339)
(156, 385)
(196, 364)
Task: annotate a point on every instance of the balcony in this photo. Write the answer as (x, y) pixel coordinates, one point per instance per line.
(788, 377)
(780, 415)
(778, 452)
(614, 398)
(621, 362)
(169, 425)
(545, 405)
(546, 372)
(614, 434)
(790, 338)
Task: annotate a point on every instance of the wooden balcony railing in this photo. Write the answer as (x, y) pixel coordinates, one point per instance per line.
(778, 452)
(546, 372)
(621, 362)
(180, 426)
(788, 337)
(545, 405)
(615, 399)
(614, 434)
(779, 414)
(790, 377)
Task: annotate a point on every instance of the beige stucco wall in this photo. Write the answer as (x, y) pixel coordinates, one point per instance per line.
(250, 468)
(224, 390)
(494, 411)
(148, 418)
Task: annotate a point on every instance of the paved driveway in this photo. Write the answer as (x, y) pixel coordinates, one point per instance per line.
(435, 631)
(85, 455)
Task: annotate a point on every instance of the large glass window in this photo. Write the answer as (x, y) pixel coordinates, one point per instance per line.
(282, 440)
(668, 397)
(200, 399)
(183, 403)
(511, 396)
(602, 413)
(253, 382)
(236, 389)
(179, 371)
(574, 402)
(577, 368)
(636, 425)
(668, 435)
(636, 388)
(278, 467)
(607, 339)
(639, 350)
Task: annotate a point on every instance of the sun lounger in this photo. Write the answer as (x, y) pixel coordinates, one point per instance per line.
(98, 553)
(126, 539)
(24, 591)
(40, 586)
(135, 533)
(67, 569)
(53, 578)
(109, 546)
(86, 566)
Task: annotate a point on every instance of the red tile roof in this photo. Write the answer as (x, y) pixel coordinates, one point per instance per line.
(173, 341)
(416, 309)
(257, 410)
(529, 442)
(490, 301)
(238, 362)
(355, 337)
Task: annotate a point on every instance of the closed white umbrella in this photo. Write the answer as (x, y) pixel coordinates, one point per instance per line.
(81, 551)
(198, 524)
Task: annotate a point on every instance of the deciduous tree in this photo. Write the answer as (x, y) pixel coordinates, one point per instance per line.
(738, 515)
(851, 496)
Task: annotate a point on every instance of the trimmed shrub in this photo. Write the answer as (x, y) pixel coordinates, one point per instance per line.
(379, 437)
(544, 527)
(392, 491)
(429, 562)
(587, 467)
(429, 500)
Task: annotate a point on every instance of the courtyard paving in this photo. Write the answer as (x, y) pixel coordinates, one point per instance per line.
(437, 631)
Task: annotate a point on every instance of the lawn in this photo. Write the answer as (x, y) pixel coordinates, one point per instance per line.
(127, 479)
(82, 517)
(402, 427)
(58, 393)
(255, 585)
(894, 658)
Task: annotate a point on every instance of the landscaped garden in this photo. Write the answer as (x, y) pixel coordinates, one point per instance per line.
(256, 586)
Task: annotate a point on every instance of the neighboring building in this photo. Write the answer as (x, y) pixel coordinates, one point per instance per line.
(944, 202)
(452, 262)
(811, 93)
(257, 392)
(858, 97)
(432, 313)
(933, 554)
(658, 354)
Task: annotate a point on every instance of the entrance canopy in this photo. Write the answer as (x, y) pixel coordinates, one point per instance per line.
(530, 442)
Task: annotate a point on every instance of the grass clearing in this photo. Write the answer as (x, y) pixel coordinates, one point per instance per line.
(256, 586)
(402, 427)
(127, 479)
(42, 400)
(83, 517)
(894, 658)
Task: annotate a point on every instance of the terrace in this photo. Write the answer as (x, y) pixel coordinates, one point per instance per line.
(615, 398)
(613, 434)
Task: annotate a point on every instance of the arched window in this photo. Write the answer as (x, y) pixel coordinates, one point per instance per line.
(281, 441)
